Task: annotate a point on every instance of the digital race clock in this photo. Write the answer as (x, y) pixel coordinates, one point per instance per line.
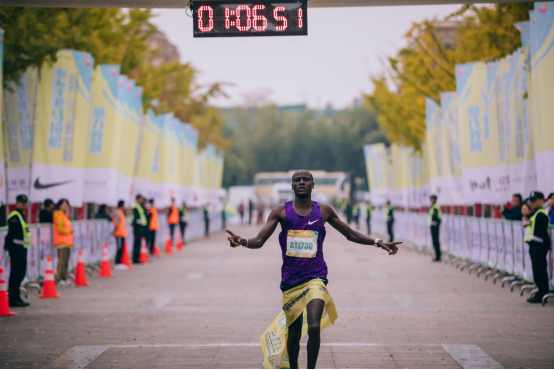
(256, 18)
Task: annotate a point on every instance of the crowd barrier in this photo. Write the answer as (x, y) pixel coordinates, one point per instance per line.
(90, 236)
(494, 247)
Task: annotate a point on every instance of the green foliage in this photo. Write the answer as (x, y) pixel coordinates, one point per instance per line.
(427, 67)
(266, 140)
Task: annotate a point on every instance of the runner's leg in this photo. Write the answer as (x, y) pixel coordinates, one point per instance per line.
(315, 311)
(293, 341)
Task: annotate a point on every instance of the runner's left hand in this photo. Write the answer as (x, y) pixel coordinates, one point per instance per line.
(389, 247)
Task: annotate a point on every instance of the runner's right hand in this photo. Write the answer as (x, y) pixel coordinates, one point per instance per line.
(234, 240)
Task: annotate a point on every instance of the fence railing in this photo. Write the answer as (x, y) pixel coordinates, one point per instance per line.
(491, 243)
(90, 237)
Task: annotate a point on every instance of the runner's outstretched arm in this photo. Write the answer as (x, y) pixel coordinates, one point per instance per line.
(356, 236)
(264, 234)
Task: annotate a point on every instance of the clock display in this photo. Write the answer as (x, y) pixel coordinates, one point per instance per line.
(259, 18)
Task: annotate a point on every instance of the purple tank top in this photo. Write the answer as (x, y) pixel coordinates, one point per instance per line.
(301, 243)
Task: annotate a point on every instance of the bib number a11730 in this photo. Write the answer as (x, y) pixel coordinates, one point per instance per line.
(302, 243)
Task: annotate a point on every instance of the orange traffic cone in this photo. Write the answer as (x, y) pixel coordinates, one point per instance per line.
(125, 259)
(80, 274)
(49, 284)
(156, 250)
(4, 305)
(105, 268)
(169, 245)
(180, 243)
(143, 256)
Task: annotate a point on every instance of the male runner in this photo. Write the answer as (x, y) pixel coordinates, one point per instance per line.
(304, 271)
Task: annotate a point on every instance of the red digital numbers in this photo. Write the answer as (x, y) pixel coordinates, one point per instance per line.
(280, 18)
(245, 18)
(201, 25)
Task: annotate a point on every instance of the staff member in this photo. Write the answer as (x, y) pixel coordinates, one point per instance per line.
(390, 221)
(538, 237)
(183, 217)
(17, 241)
(434, 222)
(356, 215)
(120, 234)
(63, 238)
(207, 220)
(139, 223)
(153, 226)
(173, 219)
(368, 211)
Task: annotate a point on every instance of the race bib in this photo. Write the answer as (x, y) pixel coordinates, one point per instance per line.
(302, 243)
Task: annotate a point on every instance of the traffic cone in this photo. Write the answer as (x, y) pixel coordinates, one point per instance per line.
(125, 259)
(169, 246)
(105, 268)
(156, 250)
(143, 256)
(4, 305)
(49, 284)
(180, 243)
(80, 273)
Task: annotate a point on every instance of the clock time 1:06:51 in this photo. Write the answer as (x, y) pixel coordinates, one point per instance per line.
(245, 18)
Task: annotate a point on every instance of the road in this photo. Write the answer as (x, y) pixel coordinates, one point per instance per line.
(207, 306)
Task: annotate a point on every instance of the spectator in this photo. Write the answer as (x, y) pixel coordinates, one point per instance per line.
(183, 220)
(241, 212)
(45, 215)
(551, 208)
(63, 239)
(260, 213)
(207, 220)
(250, 211)
(525, 212)
(513, 213)
(368, 210)
(103, 213)
(356, 215)
(537, 236)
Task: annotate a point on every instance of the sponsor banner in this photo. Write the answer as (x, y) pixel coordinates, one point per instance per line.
(542, 89)
(105, 137)
(147, 180)
(19, 115)
(63, 115)
(474, 131)
(376, 161)
(3, 185)
(451, 190)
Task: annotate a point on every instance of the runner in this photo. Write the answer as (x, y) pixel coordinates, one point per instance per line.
(307, 305)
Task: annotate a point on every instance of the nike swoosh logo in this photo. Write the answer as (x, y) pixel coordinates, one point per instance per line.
(312, 222)
(39, 186)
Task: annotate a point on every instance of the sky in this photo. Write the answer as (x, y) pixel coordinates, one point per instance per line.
(330, 66)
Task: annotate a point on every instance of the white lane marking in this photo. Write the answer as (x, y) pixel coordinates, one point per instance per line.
(471, 356)
(468, 356)
(78, 357)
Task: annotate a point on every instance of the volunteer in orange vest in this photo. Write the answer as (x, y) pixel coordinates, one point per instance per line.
(63, 239)
(120, 234)
(153, 226)
(173, 219)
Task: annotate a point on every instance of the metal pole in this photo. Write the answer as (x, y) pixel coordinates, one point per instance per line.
(37, 86)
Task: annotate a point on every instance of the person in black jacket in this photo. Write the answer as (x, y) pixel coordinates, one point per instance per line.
(46, 215)
(103, 213)
(537, 235)
(514, 213)
(390, 220)
(17, 241)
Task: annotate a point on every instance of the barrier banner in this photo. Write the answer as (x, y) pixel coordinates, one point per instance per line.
(63, 115)
(19, 115)
(3, 185)
(542, 90)
(474, 131)
(105, 137)
(171, 161)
